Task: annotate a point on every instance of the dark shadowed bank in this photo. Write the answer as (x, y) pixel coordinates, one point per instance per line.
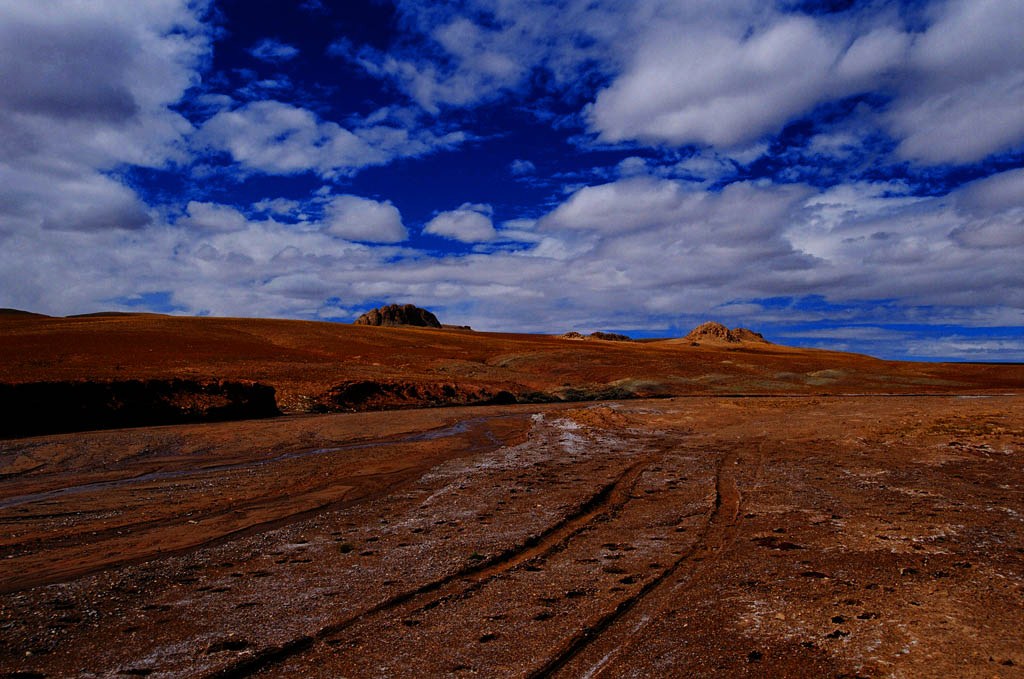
(53, 407)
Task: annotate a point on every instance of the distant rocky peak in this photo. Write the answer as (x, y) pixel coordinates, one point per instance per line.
(399, 314)
(716, 332)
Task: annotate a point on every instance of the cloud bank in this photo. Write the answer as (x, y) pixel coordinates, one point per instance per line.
(845, 172)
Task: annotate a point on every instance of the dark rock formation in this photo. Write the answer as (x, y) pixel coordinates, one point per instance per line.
(610, 337)
(36, 408)
(399, 314)
(748, 335)
(711, 331)
(359, 395)
(606, 336)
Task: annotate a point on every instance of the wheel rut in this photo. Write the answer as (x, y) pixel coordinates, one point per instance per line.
(606, 501)
(618, 627)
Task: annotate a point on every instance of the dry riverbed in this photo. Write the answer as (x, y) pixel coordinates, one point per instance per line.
(803, 536)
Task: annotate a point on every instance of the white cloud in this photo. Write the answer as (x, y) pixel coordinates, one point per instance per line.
(87, 88)
(491, 47)
(363, 219)
(963, 97)
(719, 87)
(470, 223)
(958, 87)
(278, 138)
(680, 253)
(730, 72)
(213, 217)
(273, 51)
(521, 167)
(277, 206)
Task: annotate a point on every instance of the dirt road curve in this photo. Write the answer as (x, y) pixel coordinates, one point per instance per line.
(801, 537)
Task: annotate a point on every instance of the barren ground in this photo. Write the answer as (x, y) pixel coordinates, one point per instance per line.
(705, 536)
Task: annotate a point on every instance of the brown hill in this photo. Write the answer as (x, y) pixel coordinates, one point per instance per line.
(13, 314)
(308, 363)
(399, 314)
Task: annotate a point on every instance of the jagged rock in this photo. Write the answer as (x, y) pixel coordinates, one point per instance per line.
(716, 332)
(399, 314)
(711, 331)
(610, 337)
(606, 336)
(748, 335)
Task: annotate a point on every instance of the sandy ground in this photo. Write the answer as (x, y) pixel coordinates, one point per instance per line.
(803, 536)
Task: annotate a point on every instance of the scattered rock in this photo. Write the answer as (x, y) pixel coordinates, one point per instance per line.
(772, 542)
(610, 337)
(398, 315)
(605, 336)
(359, 395)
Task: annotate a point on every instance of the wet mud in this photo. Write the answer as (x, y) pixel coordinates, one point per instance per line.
(799, 537)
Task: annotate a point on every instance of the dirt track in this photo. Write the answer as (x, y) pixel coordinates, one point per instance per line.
(868, 536)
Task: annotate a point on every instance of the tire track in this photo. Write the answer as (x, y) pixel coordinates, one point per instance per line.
(608, 500)
(361, 488)
(619, 626)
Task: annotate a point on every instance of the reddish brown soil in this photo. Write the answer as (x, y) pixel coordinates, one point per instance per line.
(807, 536)
(850, 517)
(305, 361)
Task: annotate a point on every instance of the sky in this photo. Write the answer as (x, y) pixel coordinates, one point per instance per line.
(836, 174)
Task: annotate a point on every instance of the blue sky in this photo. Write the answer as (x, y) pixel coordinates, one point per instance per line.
(833, 174)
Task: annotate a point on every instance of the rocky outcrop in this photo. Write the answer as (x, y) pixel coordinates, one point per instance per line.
(610, 337)
(717, 333)
(606, 336)
(36, 408)
(748, 335)
(398, 315)
(364, 395)
(359, 395)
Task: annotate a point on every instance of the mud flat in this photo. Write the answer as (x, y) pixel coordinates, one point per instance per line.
(800, 536)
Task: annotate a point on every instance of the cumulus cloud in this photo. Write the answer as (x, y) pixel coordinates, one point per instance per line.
(279, 138)
(729, 72)
(363, 219)
(957, 88)
(273, 51)
(963, 96)
(680, 252)
(213, 217)
(469, 223)
(719, 87)
(650, 246)
(88, 88)
(488, 48)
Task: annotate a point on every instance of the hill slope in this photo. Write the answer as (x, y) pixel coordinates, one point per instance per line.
(316, 367)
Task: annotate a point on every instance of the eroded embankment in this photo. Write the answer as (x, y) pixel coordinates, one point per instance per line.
(364, 395)
(36, 408)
